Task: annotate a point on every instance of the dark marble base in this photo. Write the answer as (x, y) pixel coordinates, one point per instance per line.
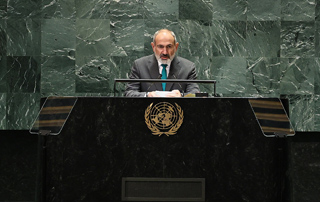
(18, 165)
(304, 167)
(89, 166)
(106, 139)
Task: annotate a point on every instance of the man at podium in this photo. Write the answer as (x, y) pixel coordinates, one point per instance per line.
(163, 64)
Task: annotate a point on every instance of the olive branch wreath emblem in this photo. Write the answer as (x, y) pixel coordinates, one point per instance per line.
(155, 130)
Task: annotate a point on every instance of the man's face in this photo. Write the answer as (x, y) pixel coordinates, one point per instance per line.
(164, 47)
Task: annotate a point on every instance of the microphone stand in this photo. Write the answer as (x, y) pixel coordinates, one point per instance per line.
(179, 85)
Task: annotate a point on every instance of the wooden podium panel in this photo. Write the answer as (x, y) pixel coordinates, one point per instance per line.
(219, 139)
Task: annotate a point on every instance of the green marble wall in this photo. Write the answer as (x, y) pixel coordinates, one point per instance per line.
(263, 48)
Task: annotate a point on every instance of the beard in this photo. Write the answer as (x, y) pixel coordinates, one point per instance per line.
(167, 61)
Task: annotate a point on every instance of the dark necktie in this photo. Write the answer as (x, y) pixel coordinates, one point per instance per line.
(164, 75)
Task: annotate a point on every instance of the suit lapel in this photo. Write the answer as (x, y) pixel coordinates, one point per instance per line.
(154, 72)
(174, 72)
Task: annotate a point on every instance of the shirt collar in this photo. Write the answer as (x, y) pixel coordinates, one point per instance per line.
(160, 68)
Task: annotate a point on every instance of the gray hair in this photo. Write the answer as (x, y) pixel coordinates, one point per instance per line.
(157, 32)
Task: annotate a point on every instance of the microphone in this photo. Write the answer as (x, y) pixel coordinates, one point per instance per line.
(160, 75)
(178, 83)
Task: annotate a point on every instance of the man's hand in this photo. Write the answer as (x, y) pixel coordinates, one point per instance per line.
(152, 94)
(174, 93)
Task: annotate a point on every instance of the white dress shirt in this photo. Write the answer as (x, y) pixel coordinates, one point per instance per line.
(160, 68)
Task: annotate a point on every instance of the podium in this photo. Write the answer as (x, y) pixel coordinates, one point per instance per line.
(107, 139)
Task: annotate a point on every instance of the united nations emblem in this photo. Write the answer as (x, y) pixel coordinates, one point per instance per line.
(163, 118)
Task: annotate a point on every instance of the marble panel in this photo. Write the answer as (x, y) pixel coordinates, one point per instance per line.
(298, 10)
(23, 37)
(3, 74)
(297, 39)
(228, 38)
(263, 76)
(92, 94)
(64, 9)
(3, 8)
(22, 110)
(58, 37)
(58, 75)
(263, 38)
(317, 13)
(165, 9)
(128, 35)
(3, 37)
(45, 94)
(24, 9)
(262, 10)
(78, 94)
(96, 74)
(201, 11)
(3, 111)
(126, 9)
(317, 38)
(93, 37)
(229, 9)
(205, 71)
(317, 77)
(203, 67)
(94, 9)
(23, 74)
(317, 113)
(125, 64)
(151, 26)
(302, 112)
(195, 39)
(297, 76)
(230, 73)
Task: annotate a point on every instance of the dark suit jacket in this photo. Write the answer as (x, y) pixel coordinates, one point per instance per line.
(147, 68)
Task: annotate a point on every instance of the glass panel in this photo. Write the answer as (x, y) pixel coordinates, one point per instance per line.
(271, 116)
(53, 115)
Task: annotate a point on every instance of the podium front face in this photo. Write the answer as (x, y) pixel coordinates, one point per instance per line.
(216, 139)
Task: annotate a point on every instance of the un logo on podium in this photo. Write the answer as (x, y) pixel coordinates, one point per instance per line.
(163, 118)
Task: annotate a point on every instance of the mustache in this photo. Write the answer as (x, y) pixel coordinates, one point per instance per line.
(165, 55)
